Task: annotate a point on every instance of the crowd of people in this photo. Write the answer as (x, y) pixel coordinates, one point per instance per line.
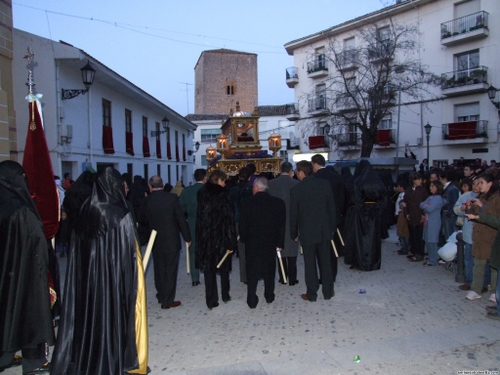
(435, 204)
(263, 220)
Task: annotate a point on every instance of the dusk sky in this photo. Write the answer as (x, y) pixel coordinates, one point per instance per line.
(155, 44)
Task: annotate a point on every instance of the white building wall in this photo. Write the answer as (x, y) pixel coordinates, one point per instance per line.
(58, 67)
(438, 109)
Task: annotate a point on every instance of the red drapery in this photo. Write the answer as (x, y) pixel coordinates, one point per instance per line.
(38, 168)
(384, 137)
(145, 147)
(177, 153)
(129, 143)
(107, 140)
(462, 130)
(317, 141)
(158, 149)
(169, 151)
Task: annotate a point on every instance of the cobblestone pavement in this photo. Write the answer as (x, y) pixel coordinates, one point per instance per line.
(412, 320)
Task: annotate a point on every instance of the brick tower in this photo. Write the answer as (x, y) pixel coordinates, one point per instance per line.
(224, 77)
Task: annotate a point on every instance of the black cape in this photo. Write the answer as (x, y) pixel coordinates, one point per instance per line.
(97, 331)
(364, 243)
(215, 227)
(25, 315)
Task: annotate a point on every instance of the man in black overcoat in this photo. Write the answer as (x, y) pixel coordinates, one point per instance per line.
(338, 189)
(313, 222)
(262, 230)
(163, 213)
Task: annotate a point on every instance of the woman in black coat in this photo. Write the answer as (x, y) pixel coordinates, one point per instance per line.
(215, 235)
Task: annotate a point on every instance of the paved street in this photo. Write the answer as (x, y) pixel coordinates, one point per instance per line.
(412, 320)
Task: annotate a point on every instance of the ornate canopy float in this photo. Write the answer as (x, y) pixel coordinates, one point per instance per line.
(238, 145)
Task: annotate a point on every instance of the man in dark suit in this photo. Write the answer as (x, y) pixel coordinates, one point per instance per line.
(262, 230)
(280, 187)
(163, 212)
(189, 204)
(338, 189)
(313, 221)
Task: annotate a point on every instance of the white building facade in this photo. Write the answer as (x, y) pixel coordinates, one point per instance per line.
(109, 125)
(458, 41)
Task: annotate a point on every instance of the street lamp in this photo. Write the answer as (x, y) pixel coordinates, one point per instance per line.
(428, 129)
(492, 92)
(165, 124)
(196, 148)
(88, 74)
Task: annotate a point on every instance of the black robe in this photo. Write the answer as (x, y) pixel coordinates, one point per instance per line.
(25, 315)
(364, 243)
(215, 228)
(97, 331)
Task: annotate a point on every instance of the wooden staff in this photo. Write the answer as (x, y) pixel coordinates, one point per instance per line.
(281, 265)
(335, 249)
(224, 258)
(340, 236)
(188, 266)
(149, 248)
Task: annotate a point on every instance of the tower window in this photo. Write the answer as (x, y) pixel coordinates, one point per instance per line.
(230, 90)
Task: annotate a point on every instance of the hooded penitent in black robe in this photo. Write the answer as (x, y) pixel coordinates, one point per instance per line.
(364, 244)
(97, 335)
(25, 315)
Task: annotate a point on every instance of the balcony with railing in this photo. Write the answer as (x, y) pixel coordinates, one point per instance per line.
(317, 105)
(386, 138)
(317, 67)
(347, 140)
(292, 111)
(347, 60)
(465, 132)
(465, 82)
(317, 141)
(464, 29)
(292, 76)
(345, 103)
(383, 51)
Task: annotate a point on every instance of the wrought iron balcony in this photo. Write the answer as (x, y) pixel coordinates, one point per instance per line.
(466, 132)
(383, 51)
(317, 141)
(347, 139)
(467, 28)
(292, 76)
(317, 104)
(292, 111)
(317, 67)
(462, 82)
(347, 60)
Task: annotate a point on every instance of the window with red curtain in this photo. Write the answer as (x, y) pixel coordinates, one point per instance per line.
(107, 131)
(169, 150)
(129, 137)
(145, 139)
(158, 144)
(177, 157)
(184, 147)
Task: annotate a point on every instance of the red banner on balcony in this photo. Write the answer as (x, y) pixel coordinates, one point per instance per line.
(317, 141)
(129, 143)
(145, 147)
(169, 151)
(384, 137)
(177, 153)
(107, 140)
(158, 149)
(462, 130)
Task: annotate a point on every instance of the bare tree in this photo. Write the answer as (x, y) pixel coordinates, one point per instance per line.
(362, 88)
